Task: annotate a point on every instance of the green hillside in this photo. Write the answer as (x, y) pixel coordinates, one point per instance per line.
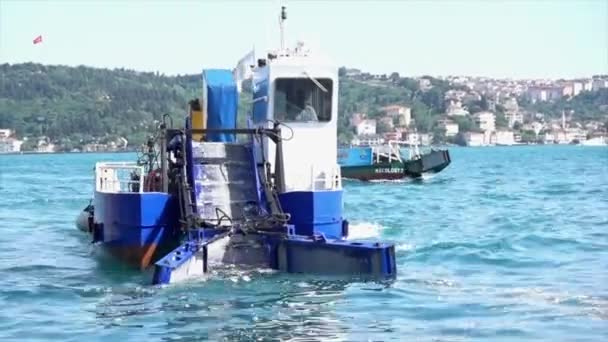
(84, 103)
(81, 103)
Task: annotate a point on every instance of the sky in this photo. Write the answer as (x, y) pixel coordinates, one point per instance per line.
(499, 38)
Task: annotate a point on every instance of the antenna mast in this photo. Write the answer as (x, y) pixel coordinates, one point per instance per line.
(281, 20)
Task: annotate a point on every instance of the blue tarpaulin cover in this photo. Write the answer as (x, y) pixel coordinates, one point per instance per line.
(222, 103)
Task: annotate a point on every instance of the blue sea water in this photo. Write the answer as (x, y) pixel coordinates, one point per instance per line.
(506, 244)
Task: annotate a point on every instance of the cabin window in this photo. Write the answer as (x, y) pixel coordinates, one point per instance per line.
(303, 100)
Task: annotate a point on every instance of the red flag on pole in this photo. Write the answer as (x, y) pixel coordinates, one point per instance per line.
(38, 40)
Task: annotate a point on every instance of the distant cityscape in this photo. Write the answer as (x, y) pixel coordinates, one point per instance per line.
(10, 143)
(522, 126)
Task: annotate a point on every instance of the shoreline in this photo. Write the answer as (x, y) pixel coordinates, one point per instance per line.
(439, 146)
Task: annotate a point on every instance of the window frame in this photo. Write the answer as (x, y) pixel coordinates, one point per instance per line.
(330, 87)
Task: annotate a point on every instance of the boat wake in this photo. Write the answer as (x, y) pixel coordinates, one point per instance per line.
(427, 176)
(424, 177)
(402, 180)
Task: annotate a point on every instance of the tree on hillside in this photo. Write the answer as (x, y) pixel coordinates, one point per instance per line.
(345, 137)
(88, 101)
(528, 136)
(483, 103)
(460, 139)
(423, 118)
(517, 126)
(501, 120)
(465, 124)
(474, 107)
(394, 77)
(434, 99)
(382, 127)
(408, 83)
(439, 135)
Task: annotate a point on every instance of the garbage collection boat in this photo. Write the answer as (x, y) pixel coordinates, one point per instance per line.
(200, 198)
(386, 162)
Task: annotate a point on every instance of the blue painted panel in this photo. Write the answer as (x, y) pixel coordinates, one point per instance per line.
(361, 259)
(314, 212)
(195, 244)
(355, 156)
(170, 262)
(222, 103)
(132, 218)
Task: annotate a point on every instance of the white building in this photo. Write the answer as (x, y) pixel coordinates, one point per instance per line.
(587, 85)
(366, 127)
(424, 84)
(352, 72)
(573, 134)
(565, 136)
(5, 133)
(457, 95)
(46, 148)
(548, 138)
(486, 121)
(454, 108)
(451, 128)
(474, 139)
(503, 138)
(419, 138)
(403, 113)
(547, 93)
(534, 126)
(357, 118)
(567, 90)
(511, 105)
(8, 144)
(513, 117)
(577, 87)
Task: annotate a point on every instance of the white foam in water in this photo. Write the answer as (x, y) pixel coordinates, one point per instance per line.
(423, 177)
(227, 259)
(363, 230)
(401, 180)
(428, 176)
(404, 247)
(193, 268)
